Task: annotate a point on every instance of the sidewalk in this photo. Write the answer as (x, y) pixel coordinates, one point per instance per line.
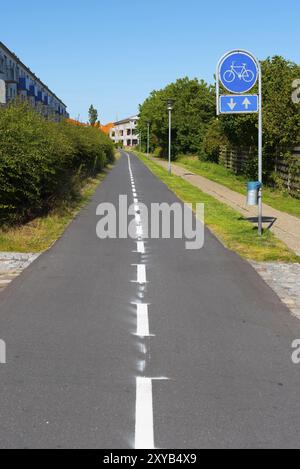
(286, 227)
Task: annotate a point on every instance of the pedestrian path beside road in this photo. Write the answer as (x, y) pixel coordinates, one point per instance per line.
(286, 227)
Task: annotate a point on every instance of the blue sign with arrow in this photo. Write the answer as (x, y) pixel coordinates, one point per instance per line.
(236, 104)
(238, 72)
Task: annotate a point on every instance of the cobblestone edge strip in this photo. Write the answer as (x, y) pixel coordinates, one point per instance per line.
(284, 279)
(12, 265)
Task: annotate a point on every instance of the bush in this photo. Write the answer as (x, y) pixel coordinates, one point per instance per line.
(40, 161)
(213, 140)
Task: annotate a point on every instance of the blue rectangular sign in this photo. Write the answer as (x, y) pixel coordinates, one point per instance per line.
(239, 104)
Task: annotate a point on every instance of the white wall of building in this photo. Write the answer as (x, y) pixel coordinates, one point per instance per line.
(125, 132)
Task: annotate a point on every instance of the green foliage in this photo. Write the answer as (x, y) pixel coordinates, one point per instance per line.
(93, 115)
(214, 138)
(194, 109)
(196, 131)
(281, 117)
(42, 162)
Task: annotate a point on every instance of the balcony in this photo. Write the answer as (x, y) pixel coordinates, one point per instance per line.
(39, 97)
(23, 84)
(31, 91)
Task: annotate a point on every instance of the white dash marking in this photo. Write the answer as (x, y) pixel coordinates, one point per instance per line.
(144, 432)
(142, 329)
(140, 247)
(141, 274)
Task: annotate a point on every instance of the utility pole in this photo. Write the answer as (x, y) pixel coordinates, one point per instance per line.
(148, 138)
(170, 103)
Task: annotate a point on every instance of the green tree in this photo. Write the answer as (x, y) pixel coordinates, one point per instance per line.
(281, 117)
(194, 109)
(214, 138)
(93, 115)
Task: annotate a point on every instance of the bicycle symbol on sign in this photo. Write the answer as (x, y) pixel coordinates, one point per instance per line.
(238, 71)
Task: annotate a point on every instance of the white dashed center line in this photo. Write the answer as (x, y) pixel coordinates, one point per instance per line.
(144, 432)
(144, 428)
(141, 274)
(143, 329)
(140, 247)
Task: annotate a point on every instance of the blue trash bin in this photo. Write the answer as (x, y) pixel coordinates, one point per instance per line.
(252, 192)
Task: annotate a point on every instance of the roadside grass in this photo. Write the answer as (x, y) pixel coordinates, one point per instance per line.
(229, 226)
(217, 173)
(40, 233)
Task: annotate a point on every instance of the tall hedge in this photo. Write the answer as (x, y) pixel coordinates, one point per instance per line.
(40, 160)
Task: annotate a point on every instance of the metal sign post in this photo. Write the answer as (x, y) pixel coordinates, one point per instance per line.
(260, 151)
(238, 71)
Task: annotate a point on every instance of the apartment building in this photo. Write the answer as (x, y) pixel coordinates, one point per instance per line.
(124, 132)
(16, 79)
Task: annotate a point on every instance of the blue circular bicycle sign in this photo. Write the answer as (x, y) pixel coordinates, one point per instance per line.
(238, 72)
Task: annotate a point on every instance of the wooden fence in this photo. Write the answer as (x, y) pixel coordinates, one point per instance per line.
(286, 171)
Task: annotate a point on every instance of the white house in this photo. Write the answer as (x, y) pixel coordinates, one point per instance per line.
(125, 132)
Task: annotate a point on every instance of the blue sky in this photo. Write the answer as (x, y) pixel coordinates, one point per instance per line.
(113, 53)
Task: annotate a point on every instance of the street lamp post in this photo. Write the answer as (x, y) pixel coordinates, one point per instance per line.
(170, 103)
(148, 138)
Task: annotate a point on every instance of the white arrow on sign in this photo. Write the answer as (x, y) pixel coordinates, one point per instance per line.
(232, 104)
(246, 103)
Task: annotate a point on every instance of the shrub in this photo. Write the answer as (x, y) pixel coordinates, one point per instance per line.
(213, 140)
(40, 160)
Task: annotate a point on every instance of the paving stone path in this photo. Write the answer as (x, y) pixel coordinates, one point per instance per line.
(284, 279)
(286, 227)
(12, 264)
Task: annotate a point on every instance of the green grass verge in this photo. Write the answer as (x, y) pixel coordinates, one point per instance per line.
(39, 234)
(235, 232)
(217, 173)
